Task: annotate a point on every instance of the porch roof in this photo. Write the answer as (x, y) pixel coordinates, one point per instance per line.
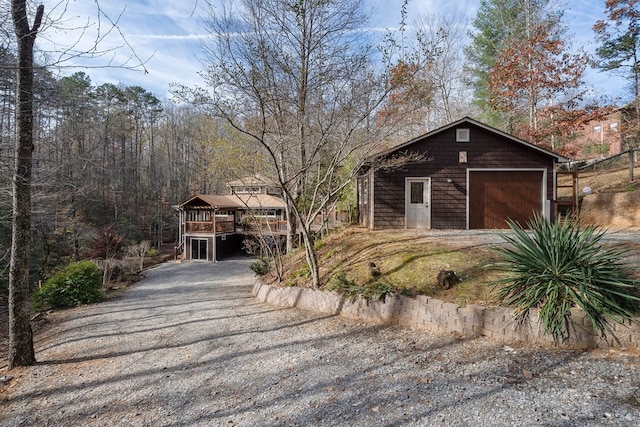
(259, 201)
(235, 201)
(209, 201)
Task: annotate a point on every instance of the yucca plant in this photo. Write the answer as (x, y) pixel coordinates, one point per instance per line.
(557, 266)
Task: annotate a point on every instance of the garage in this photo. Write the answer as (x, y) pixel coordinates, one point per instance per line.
(470, 176)
(496, 196)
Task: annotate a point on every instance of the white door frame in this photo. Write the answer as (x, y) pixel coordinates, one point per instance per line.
(199, 251)
(417, 214)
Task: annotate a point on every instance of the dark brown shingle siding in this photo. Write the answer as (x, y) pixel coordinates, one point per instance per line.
(485, 150)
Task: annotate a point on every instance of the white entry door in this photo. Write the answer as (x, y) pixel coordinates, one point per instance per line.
(418, 206)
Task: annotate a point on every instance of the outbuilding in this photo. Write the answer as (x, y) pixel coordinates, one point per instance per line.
(469, 176)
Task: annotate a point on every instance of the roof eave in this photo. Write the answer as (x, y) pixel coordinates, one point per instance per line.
(559, 158)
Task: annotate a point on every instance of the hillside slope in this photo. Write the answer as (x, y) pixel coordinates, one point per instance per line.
(407, 259)
(607, 197)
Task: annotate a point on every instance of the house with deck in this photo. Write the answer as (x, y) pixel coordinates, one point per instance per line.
(212, 227)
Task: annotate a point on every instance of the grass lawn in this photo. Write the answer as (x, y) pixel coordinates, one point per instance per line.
(408, 261)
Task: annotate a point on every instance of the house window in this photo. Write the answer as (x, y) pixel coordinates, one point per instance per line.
(613, 126)
(462, 135)
(365, 191)
(264, 213)
(597, 129)
(247, 190)
(199, 216)
(417, 192)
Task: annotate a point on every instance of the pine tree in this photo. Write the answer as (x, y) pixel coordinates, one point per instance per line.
(528, 82)
(620, 38)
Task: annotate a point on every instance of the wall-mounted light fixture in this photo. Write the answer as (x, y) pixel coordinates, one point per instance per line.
(449, 180)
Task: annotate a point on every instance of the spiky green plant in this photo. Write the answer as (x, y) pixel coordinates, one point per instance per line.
(557, 266)
(351, 290)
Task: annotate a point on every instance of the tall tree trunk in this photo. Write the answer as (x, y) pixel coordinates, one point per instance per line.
(21, 351)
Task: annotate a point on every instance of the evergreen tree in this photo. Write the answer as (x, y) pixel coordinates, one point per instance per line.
(619, 52)
(619, 36)
(494, 22)
(528, 81)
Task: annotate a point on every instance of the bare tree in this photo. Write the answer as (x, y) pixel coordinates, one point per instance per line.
(139, 250)
(298, 79)
(21, 351)
(447, 32)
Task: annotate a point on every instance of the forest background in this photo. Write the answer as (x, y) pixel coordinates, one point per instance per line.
(115, 158)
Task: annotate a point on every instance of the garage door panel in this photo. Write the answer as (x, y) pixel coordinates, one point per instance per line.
(495, 197)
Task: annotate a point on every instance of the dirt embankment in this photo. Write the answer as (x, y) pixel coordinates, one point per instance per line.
(611, 210)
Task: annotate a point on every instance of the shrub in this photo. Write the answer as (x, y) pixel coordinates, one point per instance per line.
(139, 250)
(260, 266)
(78, 283)
(350, 289)
(559, 266)
(341, 284)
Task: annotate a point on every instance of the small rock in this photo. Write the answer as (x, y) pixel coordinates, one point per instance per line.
(6, 379)
(527, 374)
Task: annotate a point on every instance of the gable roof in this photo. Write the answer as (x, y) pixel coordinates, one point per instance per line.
(209, 201)
(256, 180)
(235, 201)
(559, 158)
(259, 201)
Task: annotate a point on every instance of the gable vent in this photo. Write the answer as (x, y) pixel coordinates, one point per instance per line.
(462, 135)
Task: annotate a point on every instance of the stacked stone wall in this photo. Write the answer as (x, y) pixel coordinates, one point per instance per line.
(433, 315)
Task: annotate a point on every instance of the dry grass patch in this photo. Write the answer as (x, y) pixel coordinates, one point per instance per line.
(408, 261)
(609, 181)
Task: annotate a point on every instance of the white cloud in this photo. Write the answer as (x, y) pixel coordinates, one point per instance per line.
(170, 37)
(168, 34)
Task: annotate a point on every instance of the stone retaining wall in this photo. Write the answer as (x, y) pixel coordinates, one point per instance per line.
(611, 209)
(430, 314)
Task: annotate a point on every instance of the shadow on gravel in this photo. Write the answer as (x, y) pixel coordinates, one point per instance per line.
(207, 338)
(168, 326)
(213, 356)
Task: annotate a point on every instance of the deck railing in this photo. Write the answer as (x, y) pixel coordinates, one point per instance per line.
(264, 226)
(207, 227)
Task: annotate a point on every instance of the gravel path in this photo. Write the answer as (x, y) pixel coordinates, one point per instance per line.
(190, 346)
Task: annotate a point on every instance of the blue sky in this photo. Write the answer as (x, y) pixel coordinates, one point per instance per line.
(168, 34)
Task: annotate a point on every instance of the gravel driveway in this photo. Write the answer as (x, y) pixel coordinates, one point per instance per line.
(189, 346)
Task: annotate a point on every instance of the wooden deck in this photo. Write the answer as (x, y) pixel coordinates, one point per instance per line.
(207, 227)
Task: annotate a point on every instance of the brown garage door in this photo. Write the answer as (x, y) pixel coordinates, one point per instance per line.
(495, 197)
